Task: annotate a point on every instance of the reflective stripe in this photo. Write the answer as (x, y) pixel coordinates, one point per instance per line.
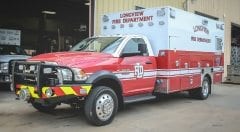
(178, 72)
(68, 90)
(129, 75)
(58, 91)
(218, 69)
(87, 88)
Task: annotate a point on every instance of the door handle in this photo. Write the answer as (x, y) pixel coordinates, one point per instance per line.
(148, 62)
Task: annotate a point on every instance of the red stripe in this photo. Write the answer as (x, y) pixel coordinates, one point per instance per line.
(58, 91)
(18, 85)
(44, 96)
(76, 89)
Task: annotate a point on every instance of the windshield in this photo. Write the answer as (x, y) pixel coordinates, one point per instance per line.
(11, 50)
(99, 44)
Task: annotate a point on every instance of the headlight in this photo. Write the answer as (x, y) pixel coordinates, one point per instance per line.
(49, 92)
(79, 74)
(66, 75)
(3, 67)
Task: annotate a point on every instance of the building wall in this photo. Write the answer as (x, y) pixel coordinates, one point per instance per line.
(225, 10)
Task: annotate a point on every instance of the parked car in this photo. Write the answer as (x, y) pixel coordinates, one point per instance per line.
(8, 54)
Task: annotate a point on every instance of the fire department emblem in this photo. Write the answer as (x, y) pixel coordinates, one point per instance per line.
(138, 70)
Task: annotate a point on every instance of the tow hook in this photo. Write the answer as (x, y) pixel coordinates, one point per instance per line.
(24, 94)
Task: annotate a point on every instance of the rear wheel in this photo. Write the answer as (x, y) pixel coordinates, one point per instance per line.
(101, 106)
(202, 92)
(44, 108)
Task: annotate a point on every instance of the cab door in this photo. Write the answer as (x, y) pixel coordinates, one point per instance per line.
(136, 68)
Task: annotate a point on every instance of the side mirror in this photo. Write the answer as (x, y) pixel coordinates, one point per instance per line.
(33, 54)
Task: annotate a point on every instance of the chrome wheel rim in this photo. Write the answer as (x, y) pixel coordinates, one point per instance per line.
(104, 107)
(205, 88)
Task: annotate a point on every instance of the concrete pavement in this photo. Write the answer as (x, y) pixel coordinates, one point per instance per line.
(174, 113)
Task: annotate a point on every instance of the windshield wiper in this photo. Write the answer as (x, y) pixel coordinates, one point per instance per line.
(90, 50)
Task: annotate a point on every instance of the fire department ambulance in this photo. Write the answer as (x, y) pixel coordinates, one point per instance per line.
(139, 55)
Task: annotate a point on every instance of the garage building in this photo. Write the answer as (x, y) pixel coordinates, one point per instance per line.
(55, 25)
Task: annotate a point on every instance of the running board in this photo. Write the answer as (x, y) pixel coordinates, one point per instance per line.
(138, 98)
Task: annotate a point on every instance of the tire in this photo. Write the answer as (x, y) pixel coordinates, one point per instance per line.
(44, 108)
(202, 92)
(101, 106)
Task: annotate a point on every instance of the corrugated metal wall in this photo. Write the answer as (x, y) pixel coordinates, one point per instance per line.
(107, 6)
(226, 10)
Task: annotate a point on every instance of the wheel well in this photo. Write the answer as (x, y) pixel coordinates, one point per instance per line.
(208, 77)
(113, 84)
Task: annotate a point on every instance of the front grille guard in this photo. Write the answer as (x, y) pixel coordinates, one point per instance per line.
(21, 76)
(10, 64)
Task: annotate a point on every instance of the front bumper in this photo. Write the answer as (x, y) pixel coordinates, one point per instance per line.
(31, 83)
(58, 91)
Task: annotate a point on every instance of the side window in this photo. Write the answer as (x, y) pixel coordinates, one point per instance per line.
(135, 46)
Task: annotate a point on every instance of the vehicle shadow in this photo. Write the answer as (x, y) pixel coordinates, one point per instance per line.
(162, 101)
(66, 116)
(4, 87)
(62, 116)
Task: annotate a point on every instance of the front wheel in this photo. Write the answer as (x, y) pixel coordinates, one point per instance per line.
(101, 106)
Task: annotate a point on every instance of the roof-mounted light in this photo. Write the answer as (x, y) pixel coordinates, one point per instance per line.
(161, 22)
(105, 18)
(161, 12)
(150, 23)
(205, 22)
(121, 25)
(172, 13)
(220, 26)
(140, 24)
(130, 25)
(113, 26)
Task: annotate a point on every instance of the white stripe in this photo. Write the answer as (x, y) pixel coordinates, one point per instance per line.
(218, 69)
(125, 75)
(149, 73)
(178, 72)
(178, 75)
(129, 75)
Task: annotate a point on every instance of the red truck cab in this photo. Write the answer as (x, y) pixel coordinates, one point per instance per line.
(119, 65)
